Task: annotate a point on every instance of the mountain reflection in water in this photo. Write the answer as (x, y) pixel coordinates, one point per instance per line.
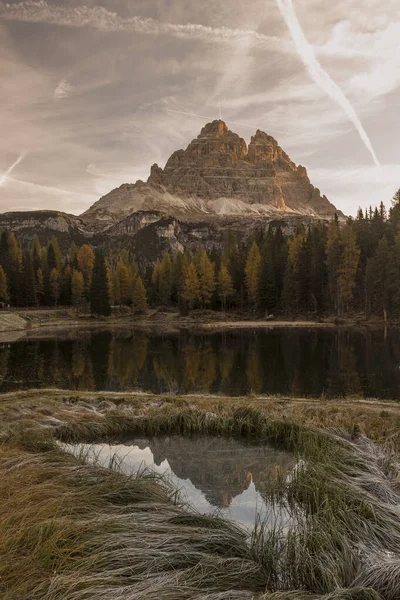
(286, 361)
(212, 473)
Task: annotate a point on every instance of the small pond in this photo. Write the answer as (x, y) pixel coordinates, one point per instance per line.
(213, 474)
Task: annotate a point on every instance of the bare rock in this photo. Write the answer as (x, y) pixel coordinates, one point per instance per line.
(219, 175)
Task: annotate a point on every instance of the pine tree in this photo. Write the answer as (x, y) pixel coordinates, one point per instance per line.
(4, 249)
(54, 260)
(155, 281)
(382, 277)
(77, 289)
(382, 212)
(396, 198)
(394, 213)
(133, 271)
(280, 259)
(65, 282)
(73, 256)
(230, 246)
(110, 286)
(333, 257)
(206, 276)
(298, 257)
(36, 253)
(125, 257)
(4, 295)
(55, 285)
(85, 258)
(40, 285)
(394, 274)
(139, 297)
(13, 270)
(225, 287)
(191, 287)
(317, 266)
(348, 265)
(51, 258)
(178, 276)
(288, 289)
(99, 294)
(115, 295)
(165, 280)
(267, 293)
(236, 266)
(253, 272)
(122, 276)
(30, 296)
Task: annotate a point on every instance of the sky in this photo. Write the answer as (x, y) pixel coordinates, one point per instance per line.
(92, 94)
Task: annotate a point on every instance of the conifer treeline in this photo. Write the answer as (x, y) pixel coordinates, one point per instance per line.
(324, 269)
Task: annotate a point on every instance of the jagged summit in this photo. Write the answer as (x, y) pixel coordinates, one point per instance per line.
(219, 176)
(215, 128)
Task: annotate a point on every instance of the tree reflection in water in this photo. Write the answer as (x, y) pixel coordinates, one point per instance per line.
(298, 362)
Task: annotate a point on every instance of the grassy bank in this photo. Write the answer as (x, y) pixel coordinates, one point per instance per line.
(74, 531)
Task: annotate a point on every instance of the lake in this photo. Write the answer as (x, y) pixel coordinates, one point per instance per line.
(212, 474)
(289, 361)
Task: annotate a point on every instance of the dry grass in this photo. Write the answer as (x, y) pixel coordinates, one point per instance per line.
(72, 531)
(377, 419)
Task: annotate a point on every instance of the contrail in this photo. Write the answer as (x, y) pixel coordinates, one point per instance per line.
(219, 106)
(181, 112)
(5, 175)
(97, 17)
(318, 74)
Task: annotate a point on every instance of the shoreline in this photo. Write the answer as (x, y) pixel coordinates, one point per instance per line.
(21, 324)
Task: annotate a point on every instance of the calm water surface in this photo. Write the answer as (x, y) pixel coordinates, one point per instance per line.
(211, 474)
(304, 362)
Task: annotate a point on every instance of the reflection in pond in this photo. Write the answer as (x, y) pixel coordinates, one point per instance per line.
(288, 361)
(212, 474)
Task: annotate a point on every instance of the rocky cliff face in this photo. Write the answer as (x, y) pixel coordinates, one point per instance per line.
(218, 176)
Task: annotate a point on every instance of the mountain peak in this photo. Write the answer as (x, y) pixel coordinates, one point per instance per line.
(262, 136)
(218, 176)
(215, 128)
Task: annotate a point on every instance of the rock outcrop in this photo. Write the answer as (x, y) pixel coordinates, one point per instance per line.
(219, 176)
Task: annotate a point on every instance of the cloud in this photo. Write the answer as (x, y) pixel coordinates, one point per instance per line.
(388, 175)
(63, 90)
(343, 185)
(39, 11)
(6, 175)
(32, 196)
(93, 170)
(319, 75)
(378, 50)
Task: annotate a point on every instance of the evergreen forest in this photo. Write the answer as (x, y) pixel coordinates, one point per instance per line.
(337, 268)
